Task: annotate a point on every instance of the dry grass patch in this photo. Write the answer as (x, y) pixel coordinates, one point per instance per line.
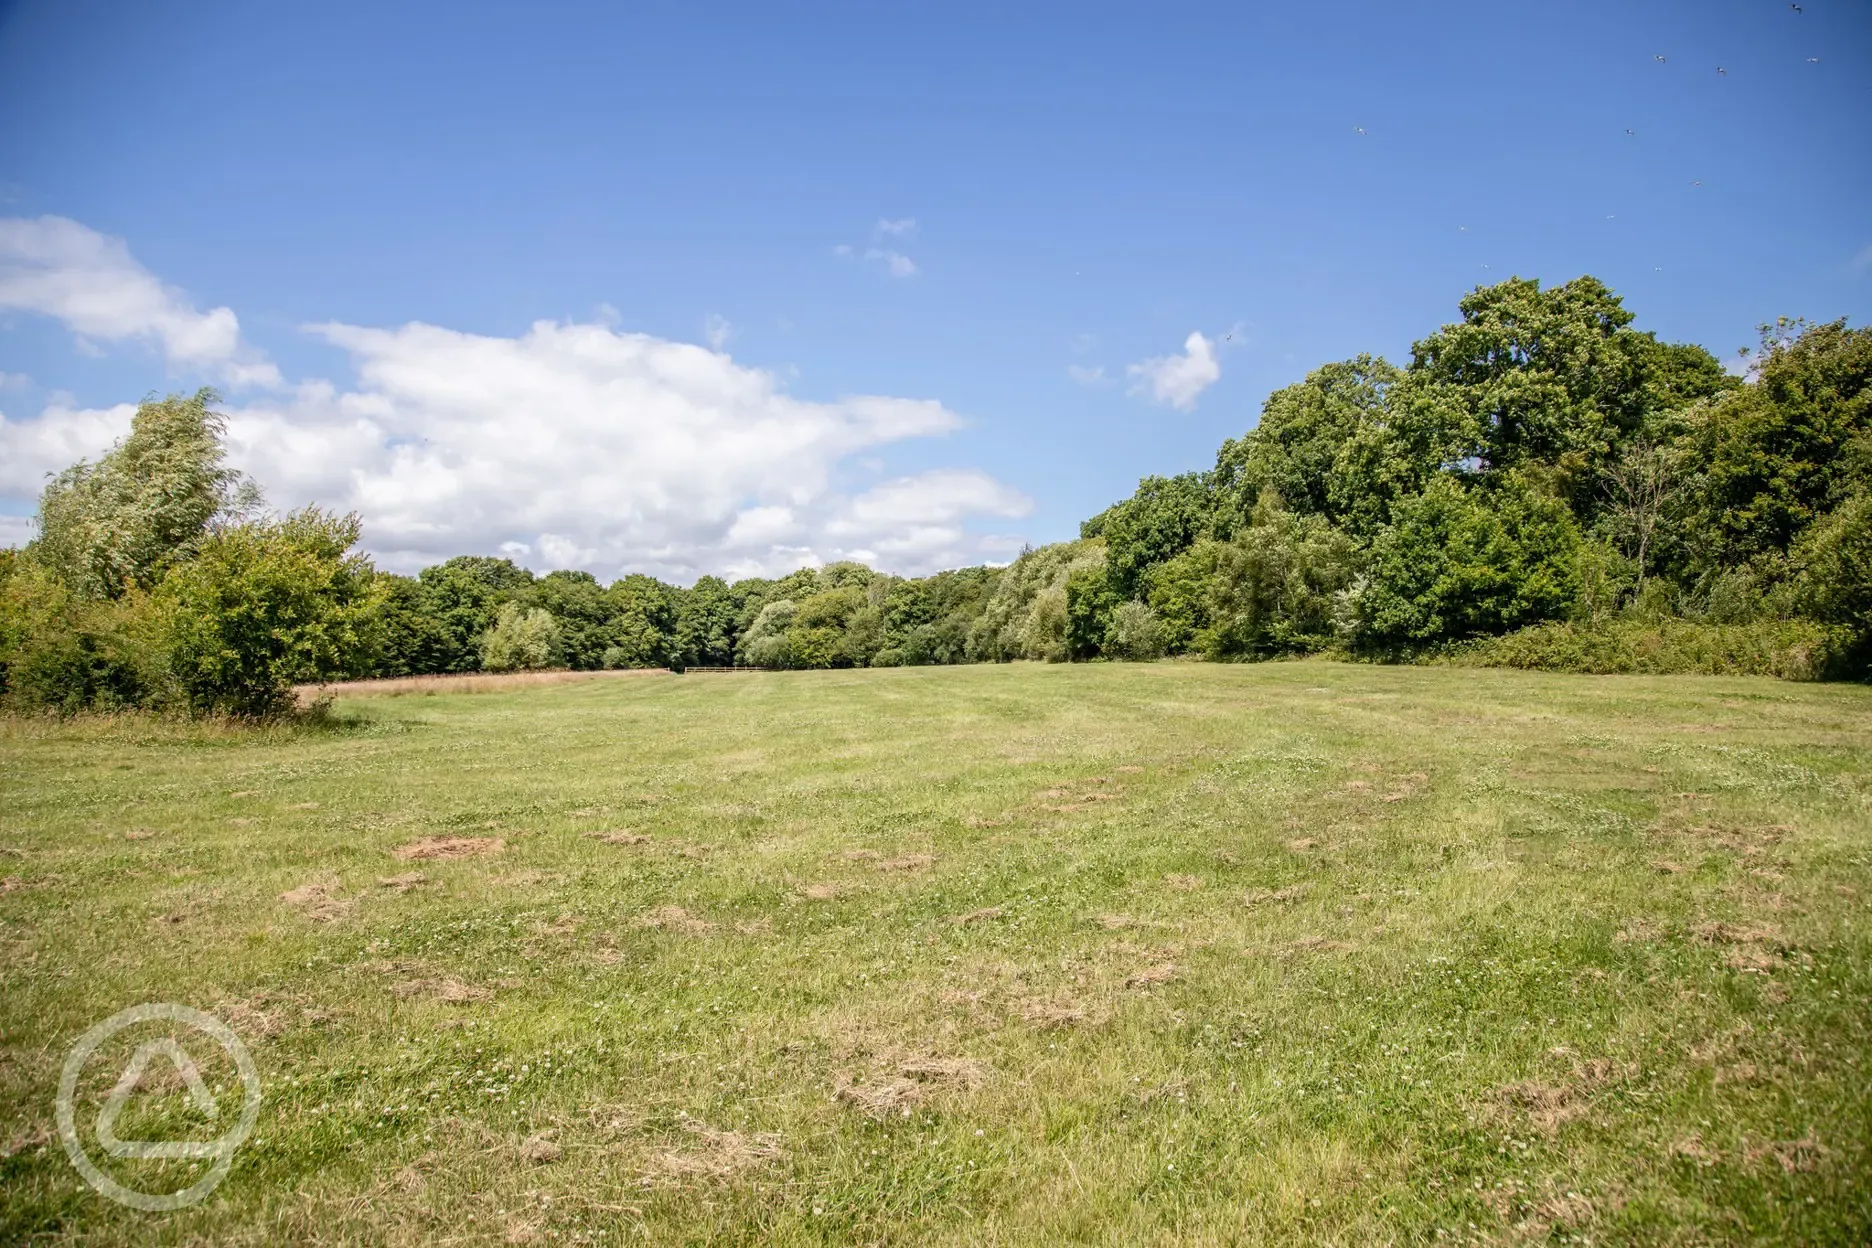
(401, 884)
(1184, 883)
(1151, 976)
(621, 836)
(714, 1155)
(318, 900)
(673, 919)
(982, 915)
(432, 848)
(446, 989)
(908, 862)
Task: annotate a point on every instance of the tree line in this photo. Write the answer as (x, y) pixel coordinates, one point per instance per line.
(1540, 485)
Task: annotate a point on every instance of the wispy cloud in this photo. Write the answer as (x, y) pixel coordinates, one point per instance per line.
(1178, 379)
(1862, 263)
(717, 329)
(893, 261)
(1094, 376)
(56, 267)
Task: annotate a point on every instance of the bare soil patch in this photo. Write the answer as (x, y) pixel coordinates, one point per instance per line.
(431, 848)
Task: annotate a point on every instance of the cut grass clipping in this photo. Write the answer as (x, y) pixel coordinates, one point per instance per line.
(1142, 954)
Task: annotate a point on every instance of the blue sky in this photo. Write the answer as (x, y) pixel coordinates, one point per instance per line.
(1006, 218)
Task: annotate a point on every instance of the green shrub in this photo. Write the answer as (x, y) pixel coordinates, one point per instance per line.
(265, 604)
(522, 640)
(1789, 649)
(1134, 632)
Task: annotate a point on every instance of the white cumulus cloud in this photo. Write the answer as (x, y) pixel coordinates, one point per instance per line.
(56, 267)
(1178, 379)
(574, 445)
(569, 445)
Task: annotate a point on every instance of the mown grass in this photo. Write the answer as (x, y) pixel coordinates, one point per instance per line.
(1165, 953)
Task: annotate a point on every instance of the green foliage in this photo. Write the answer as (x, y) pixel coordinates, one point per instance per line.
(1025, 617)
(1789, 649)
(464, 595)
(1325, 445)
(66, 653)
(767, 642)
(583, 612)
(409, 639)
(1180, 594)
(1278, 586)
(264, 604)
(1546, 376)
(523, 639)
(1465, 561)
(1783, 451)
(705, 624)
(119, 524)
(1133, 632)
(1835, 585)
(1089, 601)
(1161, 520)
(642, 624)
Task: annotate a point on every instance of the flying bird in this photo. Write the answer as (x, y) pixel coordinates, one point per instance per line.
(1659, 59)
(1813, 60)
(1795, 7)
(1722, 71)
(1696, 184)
(1631, 132)
(1360, 129)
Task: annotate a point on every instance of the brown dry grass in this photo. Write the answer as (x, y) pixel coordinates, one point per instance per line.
(466, 682)
(430, 848)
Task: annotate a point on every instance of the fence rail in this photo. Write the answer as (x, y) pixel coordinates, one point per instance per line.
(730, 669)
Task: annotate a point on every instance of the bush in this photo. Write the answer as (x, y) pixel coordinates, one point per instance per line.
(522, 640)
(265, 604)
(766, 644)
(1789, 649)
(1277, 585)
(63, 653)
(1134, 632)
(1468, 561)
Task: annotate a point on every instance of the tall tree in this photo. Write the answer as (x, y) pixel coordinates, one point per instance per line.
(119, 524)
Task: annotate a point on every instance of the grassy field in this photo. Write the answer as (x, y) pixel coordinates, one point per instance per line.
(1168, 953)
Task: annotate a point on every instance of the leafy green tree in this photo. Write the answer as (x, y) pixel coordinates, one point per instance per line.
(1298, 446)
(1278, 584)
(1463, 561)
(583, 611)
(265, 604)
(767, 641)
(1161, 520)
(465, 594)
(523, 639)
(1133, 632)
(1089, 602)
(63, 652)
(1180, 595)
(705, 625)
(119, 524)
(1546, 375)
(409, 639)
(1025, 615)
(1780, 452)
(1835, 585)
